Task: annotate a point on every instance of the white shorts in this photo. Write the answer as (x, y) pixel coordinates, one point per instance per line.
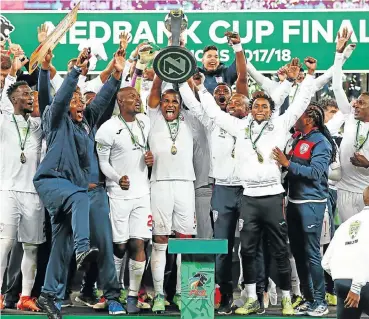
(325, 237)
(22, 213)
(130, 218)
(349, 204)
(173, 207)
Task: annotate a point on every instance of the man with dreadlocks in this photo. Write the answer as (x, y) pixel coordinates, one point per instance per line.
(312, 152)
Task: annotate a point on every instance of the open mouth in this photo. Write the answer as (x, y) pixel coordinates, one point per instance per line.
(169, 114)
(79, 114)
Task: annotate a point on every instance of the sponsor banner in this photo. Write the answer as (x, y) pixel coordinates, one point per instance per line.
(270, 38)
(218, 5)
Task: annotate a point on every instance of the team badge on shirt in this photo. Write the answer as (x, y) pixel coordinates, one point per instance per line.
(219, 79)
(222, 133)
(304, 148)
(99, 147)
(270, 127)
(354, 229)
(247, 132)
(181, 117)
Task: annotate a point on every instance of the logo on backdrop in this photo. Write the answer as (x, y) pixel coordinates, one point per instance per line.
(6, 28)
(196, 285)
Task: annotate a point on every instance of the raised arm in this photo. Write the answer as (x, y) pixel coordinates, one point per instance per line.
(44, 92)
(327, 76)
(279, 94)
(302, 100)
(5, 104)
(224, 120)
(339, 93)
(195, 106)
(61, 101)
(102, 100)
(241, 82)
(155, 93)
(267, 84)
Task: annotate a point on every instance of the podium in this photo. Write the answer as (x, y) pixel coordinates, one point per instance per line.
(197, 274)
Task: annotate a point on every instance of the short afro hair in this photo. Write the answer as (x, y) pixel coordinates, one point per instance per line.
(262, 95)
(328, 102)
(12, 88)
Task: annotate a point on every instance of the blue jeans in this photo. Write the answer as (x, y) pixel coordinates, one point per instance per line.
(304, 230)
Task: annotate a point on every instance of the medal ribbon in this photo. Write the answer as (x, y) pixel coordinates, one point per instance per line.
(22, 144)
(357, 145)
(261, 132)
(132, 135)
(173, 138)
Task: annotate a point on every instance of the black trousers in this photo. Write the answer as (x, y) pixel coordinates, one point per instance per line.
(260, 215)
(342, 287)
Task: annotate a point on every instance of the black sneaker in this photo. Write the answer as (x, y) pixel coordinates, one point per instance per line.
(226, 302)
(131, 305)
(261, 302)
(85, 258)
(87, 300)
(47, 304)
(66, 302)
(9, 304)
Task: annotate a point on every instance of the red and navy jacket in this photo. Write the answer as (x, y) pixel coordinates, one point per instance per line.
(307, 175)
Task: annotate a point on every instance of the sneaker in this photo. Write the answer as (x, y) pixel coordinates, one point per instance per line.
(85, 258)
(225, 307)
(251, 306)
(143, 305)
(159, 306)
(303, 308)
(238, 303)
(66, 302)
(177, 301)
(166, 303)
(272, 291)
(2, 306)
(8, 304)
(132, 305)
(123, 296)
(331, 299)
(26, 303)
(115, 308)
(144, 296)
(319, 310)
(261, 300)
(86, 300)
(101, 304)
(287, 309)
(46, 303)
(296, 301)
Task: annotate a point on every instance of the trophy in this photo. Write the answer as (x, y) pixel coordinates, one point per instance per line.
(175, 64)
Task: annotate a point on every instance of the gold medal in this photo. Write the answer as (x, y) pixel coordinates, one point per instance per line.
(23, 158)
(173, 150)
(260, 157)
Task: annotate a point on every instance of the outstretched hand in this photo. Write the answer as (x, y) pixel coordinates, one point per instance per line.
(293, 68)
(342, 39)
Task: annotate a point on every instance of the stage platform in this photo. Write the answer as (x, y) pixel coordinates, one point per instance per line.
(83, 312)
